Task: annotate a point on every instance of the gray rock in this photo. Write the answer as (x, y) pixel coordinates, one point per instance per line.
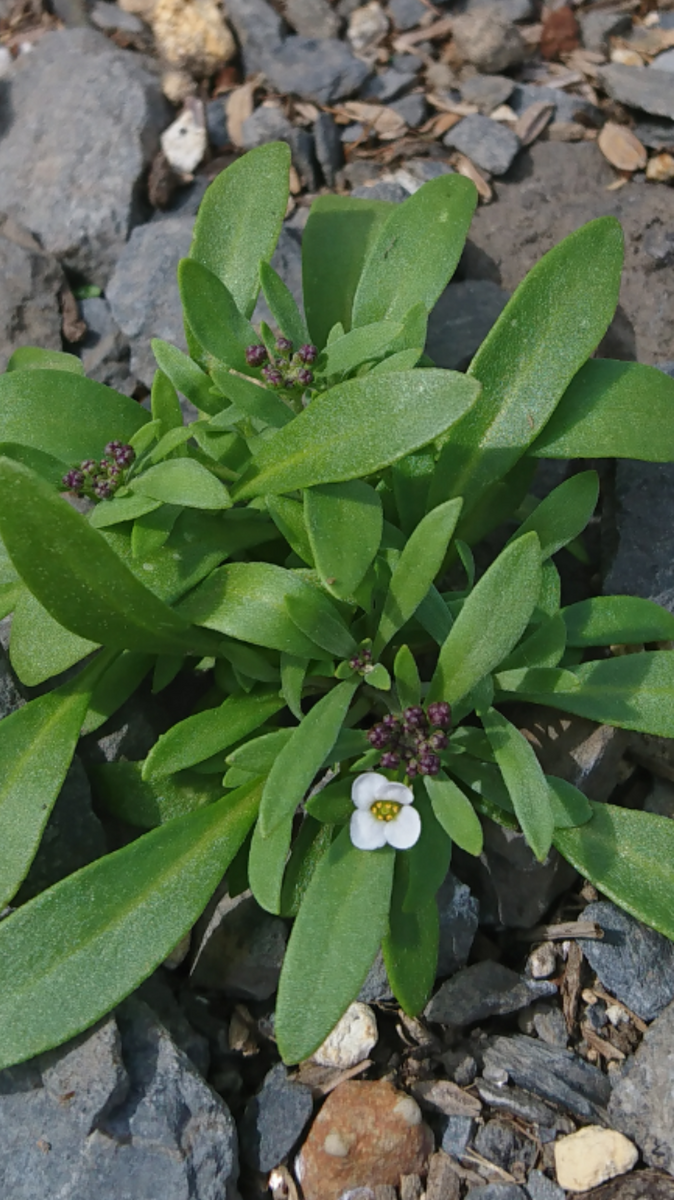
(642, 1104)
(516, 1100)
(489, 144)
(86, 1121)
(488, 40)
(266, 124)
(656, 134)
(156, 993)
(405, 14)
(640, 87)
(497, 1142)
(143, 293)
(104, 349)
(485, 989)
(385, 86)
(312, 18)
(597, 27)
(129, 734)
(110, 16)
(352, 133)
(540, 1187)
(551, 1027)
(461, 319)
(412, 109)
(73, 836)
(643, 564)
(663, 62)
(87, 119)
(634, 963)
(486, 91)
(216, 122)
(328, 146)
(239, 949)
(303, 155)
(287, 262)
(512, 10)
(425, 169)
(408, 64)
(395, 193)
(274, 1120)
(259, 30)
(29, 298)
(457, 1133)
(566, 104)
(557, 1075)
(497, 1191)
(323, 70)
(10, 696)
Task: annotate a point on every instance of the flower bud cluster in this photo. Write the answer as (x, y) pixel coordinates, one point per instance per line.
(284, 369)
(413, 738)
(361, 661)
(100, 480)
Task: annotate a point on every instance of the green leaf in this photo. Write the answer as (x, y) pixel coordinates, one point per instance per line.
(212, 315)
(612, 410)
(523, 681)
(312, 842)
(206, 733)
(426, 864)
(185, 482)
(332, 512)
(543, 648)
(299, 761)
(333, 804)
(253, 663)
(240, 219)
(416, 569)
(293, 672)
(563, 514)
(267, 863)
(253, 400)
(74, 952)
(288, 517)
(410, 951)
(37, 743)
(416, 251)
(39, 647)
(569, 806)
(150, 532)
(554, 321)
(614, 620)
(259, 755)
(77, 577)
(169, 442)
(455, 814)
(65, 415)
(46, 466)
(408, 683)
(28, 358)
(629, 856)
(165, 403)
(283, 306)
(359, 346)
(357, 428)
(115, 686)
(524, 780)
(336, 241)
(634, 691)
(378, 677)
(491, 622)
(483, 778)
(147, 803)
(404, 360)
(411, 478)
(315, 617)
(248, 601)
(119, 509)
(334, 941)
(186, 376)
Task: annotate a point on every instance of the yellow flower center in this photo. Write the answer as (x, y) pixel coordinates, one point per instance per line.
(385, 810)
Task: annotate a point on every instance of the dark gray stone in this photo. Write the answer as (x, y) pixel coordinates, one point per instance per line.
(489, 144)
(129, 734)
(485, 989)
(239, 949)
(143, 293)
(395, 193)
(385, 86)
(663, 62)
(274, 1120)
(657, 134)
(328, 146)
(597, 27)
(104, 349)
(87, 1120)
(497, 1191)
(405, 14)
(408, 64)
(634, 963)
(566, 104)
(323, 70)
(425, 169)
(303, 154)
(642, 1104)
(73, 836)
(559, 1076)
(86, 124)
(643, 564)
(456, 1132)
(512, 10)
(156, 993)
(412, 109)
(312, 18)
(259, 30)
(352, 133)
(461, 320)
(266, 124)
(486, 91)
(540, 1187)
(216, 122)
(29, 297)
(516, 1100)
(496, 1141)
(10, 696)
(640, 87)
(550, 1026)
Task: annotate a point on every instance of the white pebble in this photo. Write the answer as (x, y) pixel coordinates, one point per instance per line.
(542, 961)
(591, 1156)
(184, 142)
(351, 1040)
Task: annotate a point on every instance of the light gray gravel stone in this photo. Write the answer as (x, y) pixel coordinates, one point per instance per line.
(110, 16)
(642, 1104)
(266, 124)
(634, 963)
(86, 124)
(320, 69)
(412, 109)
(646, 88)
(664, 61)
(385, 86)
(497, 1191)
(456, 1133)
(657, 134)
(461, 319)
(104, 349)
(29, 296)
(488, 40)
(597, 27)
(489, 144)
(540, 1187)
(486, 91)
(259, 30)
(274, 1120)
(405, 14)
(567, 105)
(312, 18)
(328, 146)
(556, 1075)
(512, 10)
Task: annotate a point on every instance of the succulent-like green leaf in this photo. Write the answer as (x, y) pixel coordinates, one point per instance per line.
(563, 514)
(524, 780)
(455, 814)
(147, 803)
(251, 399)
(333, 512)
(212, 315)
(165, 403)
(283, 306)
(209, 732)
(611, 620)
(406, 674)
(410, 951)
(187, 376)
(184, 482)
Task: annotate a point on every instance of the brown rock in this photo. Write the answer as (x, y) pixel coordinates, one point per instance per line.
(560, 33)
(443, 1183)
(640, 1185)
(366, 1135)
(622, 149)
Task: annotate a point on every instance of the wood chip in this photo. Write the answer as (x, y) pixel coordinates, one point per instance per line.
(439, 29)
(239, 108)
(323, 1080)
(660, 168)
(441, 1095)
(444, 102)
(465, 167)
(306, 112)
(531, 34)
(636, 1021)
(563, 932)
(603, 1048)
(384, 121)
(282, 1185)
(443, 123)
(626, 57)
(533, 121)
(586, 62)
(566, 131)
(571, 985)
(73, 327)
(621, 147)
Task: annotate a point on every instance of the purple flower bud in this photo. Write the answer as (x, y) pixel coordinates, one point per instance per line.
(366, 655)
(305, 377)
(103, 490)
(113, 447)
(284, 345)
(440, 713)
(414, 717)
(89, 467)
(307, 354)
(438, 741)
(378, 737)
(273, 377)
(390, 721)
(412, 768)
(73, 480)
(125, 455)
(390, 759)
(256, 355)
(429, 764)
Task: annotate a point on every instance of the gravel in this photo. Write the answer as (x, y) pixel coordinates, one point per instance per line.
(555, 1074)
(489, 144)
(640, 87)
(634, 963)
(29, 297)
(642, 1104)
(274, 1120)
(323, 70)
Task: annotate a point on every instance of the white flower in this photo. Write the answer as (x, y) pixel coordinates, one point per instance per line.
(383, 814)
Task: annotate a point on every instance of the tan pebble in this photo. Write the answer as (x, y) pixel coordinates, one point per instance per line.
(192, 35)
(335, 1146)
(177, 86)
(566, 131)
(622, 149)
(660, 168)
(409, 1110)
(627, 57)
(533, 121)
(139, 8)
(589, 1157)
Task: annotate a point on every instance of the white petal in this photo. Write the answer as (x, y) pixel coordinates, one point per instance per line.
(404, 830)
(367, 833)
(397, 792)
(367, 788)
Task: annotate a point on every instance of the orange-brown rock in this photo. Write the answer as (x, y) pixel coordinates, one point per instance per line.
(560, 33)
(366, 1134)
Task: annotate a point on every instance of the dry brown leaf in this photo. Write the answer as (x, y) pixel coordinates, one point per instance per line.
(566, 131)
(295, 182)
(239, 108)
(603, 1048)
(626, 57)
(533, 121)
(621, 147)
(571, 985)
(444, 122)
(585, 62)
(444, 102)
(531, 34)
(72, 325)
(660, 168)
(438, 29)
(384, 121)
(307, 112)
(465, 167)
